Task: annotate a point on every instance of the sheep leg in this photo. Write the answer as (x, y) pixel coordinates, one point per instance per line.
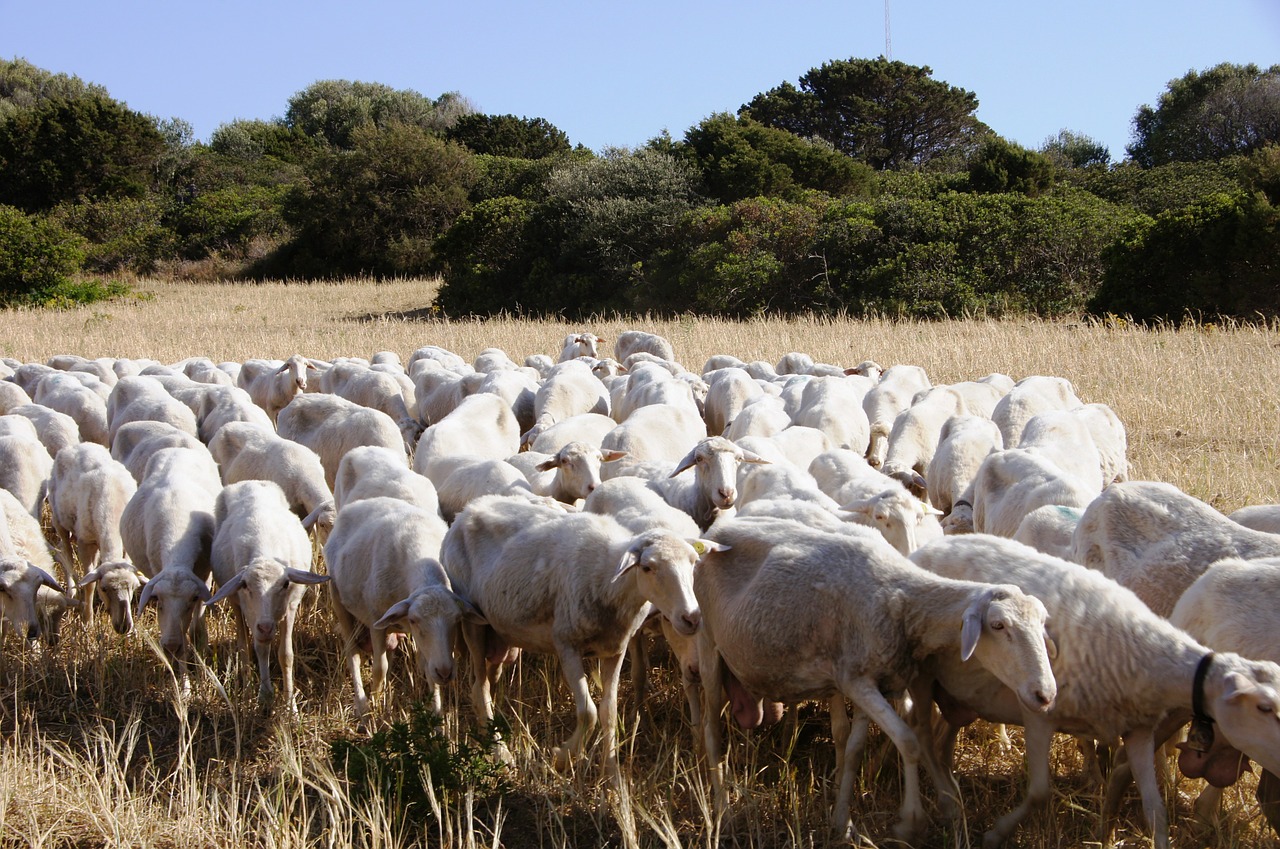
(610, 673)
(346, 625)
(921, 720)
(265, 691)
(1141, 745)
(1038, 736)
(377, 661)
(575, 676)
(866, 696)
(284, 653)
(714, 700)
(88, 559)
(482, 680)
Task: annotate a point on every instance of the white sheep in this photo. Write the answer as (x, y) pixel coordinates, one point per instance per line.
(372, 471)
(223, 405)
(274, 384)
(1156, 540)
(570, 389)
(833, 405)
(1259, 517)
(590, 428)
(915, 435)
(765, 415)
(729, 391)
(481, 426)
(21, 536)
(332, 426)
(55, 430)
(88, 492)
(634, 341)
(144, 398)
(377, 390)
(792, 613)
(136, 442)
(714, 488)
(384, 560)
(24, 470)
(517, 388)
(575, 471)
(1012, 483)
(62, 392)
(573, 585)
(580, 345)
(798, 445)
(438, 391)
(891, 395)
(12, 395)
(434, 353)
(1050, 529)
(261, 559)
(659, 432)
(246, 451)
(168, 529)
(461, 480)
(1029, 396)
(963, 443)
(872, 498)
(1121, 670)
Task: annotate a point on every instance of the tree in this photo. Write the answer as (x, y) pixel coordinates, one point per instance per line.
(741, 158)
(24, 86)
(507, 135)
(1002, 166)
(37, 258)
(888, 114)
(376, 208)
(62, 149)
(1225, 110)
(333, 110)
(1075, 150)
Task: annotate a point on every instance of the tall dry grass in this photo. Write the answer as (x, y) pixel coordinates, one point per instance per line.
(99, 752)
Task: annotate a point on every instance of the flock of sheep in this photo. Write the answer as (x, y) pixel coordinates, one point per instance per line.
(927, 555)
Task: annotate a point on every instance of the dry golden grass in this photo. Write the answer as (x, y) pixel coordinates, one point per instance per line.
(95, 753)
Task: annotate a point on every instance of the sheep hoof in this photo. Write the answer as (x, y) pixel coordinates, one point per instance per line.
(992, 840)
(908, 830)
(562, 759)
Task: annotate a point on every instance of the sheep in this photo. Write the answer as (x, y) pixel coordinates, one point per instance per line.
(869, 369)
(1232, 607)
(1029, 396)
(1110, 439)
(377, 390)
(461, 480)
(963, 443)
(649, 383)
(833, 405)
(541, 363)
(633, 341)
(434, 353)
(871, 498)
(372, 471)
(573, 585)
(261, 559)
(1012, 483)
(766, 415)
(144, 398)
(1063, 438)
(1259, 517)
(246, 451)
(87, 494)
(797, 445)
(67, 395)
(493, 359)
(714, 487)
(590, 428)
(981, 396)
(729, 392)
(481, 426)
(793, 613)
(883, 402)
(659, 432)
(576, 468)
(55, 430)
(580, 345)
(167, 528)
(570, 389)
(332, 426)
(18, 426)
(1121, 671)
(914, 438)
(136, 442)
(21, 536)
(273, 384)
(24, 470)
(1156, 540)
(1050, 529)
(12, 395)
(384, 560)
(224, 405)
(795, 362)
(517, 389)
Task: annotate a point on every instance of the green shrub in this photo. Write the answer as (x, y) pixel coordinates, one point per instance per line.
(38, 258)
(1002, 166)
(121, 233)
(229, 219)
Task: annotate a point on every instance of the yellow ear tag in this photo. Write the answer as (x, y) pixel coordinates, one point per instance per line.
(699, 547)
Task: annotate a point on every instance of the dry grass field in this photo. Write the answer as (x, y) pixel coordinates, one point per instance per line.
(97, 751)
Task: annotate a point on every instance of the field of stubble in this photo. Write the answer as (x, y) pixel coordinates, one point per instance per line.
(97, 752)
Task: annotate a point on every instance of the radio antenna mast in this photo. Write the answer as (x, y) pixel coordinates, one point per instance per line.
(888, 41)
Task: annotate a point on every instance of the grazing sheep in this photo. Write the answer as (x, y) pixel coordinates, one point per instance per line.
(792, 613)
(1121, 670)
(590, 428)
(88, 492)
(384, 560)
(916, 432)
(246, 451)
(1030, 396)
(223, 405)
(798, 445)
(377, 390)
(24, 470)
(580, 345)
(434, 353)
(833, 405)
(573, 585)
(1012, 483)
(372, 471)
(963, 443)
(715, 461)
(438, 391)
(55, 430)
(729, 391)
(517, 388)
(1156, 540)
(649, 383)
(18, 426)
(1259, 517)
(168, 529)
(891, 395)
(62, 392)
(261, 559)
(144, 398)
(461, 480)
(634, 341)
(482, 426)
(1050, 529)
(659, 432)
(766, 415)
(136, 442)
(872, 498)
(274, 384)
(12, 395)
(332, 426)
(569, 390)
(21, 536)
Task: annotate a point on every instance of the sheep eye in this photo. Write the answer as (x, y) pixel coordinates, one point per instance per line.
(1266, 707)
(646, 568)
(997, 626)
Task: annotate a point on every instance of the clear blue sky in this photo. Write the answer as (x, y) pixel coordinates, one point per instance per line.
(613, 73)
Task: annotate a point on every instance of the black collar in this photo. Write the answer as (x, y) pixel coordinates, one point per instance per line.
(1197, 689)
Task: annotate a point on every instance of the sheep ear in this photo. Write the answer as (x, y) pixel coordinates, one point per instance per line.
(752, 457)
(1050, 647)
(90, 578)
(629, 559)
(548, 465)
(1236, 686)
(929, 510)
(47, 579)
(862, 507)
(145, 596)
(608, 456)
(972, 628)
(707, 546)
(470, 612)
(304, 576)
(236, 582)
(689, 460)
(394, 615)
(314, 516)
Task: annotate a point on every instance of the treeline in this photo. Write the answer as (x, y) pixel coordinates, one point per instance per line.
(869, 187)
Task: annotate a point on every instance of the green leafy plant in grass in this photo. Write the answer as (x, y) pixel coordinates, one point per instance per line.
(412, 761)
